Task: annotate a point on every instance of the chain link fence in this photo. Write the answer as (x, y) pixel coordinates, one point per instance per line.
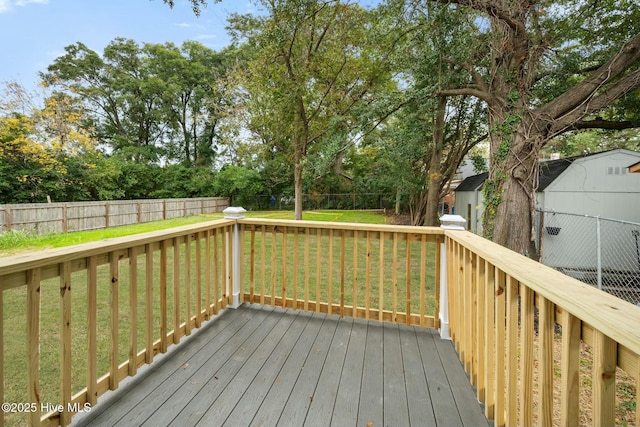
(316, 201)
(602, 252)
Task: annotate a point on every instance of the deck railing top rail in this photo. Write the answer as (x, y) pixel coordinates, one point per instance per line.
(344, 226)
(29, 260)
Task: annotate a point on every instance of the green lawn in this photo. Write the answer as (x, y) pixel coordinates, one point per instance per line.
(19, 241)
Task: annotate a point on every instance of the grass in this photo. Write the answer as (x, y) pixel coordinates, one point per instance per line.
(20, 241)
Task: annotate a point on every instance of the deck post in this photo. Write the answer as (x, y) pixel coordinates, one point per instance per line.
(235, 257)
(448, 222)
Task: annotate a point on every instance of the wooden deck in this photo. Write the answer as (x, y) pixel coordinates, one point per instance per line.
(264, 366)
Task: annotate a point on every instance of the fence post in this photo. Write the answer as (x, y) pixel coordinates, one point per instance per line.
(236, 256)
(7, 212)
(447, 222)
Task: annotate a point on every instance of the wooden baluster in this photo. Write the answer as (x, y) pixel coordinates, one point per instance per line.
(133, 311)
(163, 297)
(187, 284)
(115, 316)
(354, 293)
(527, 314)
(176, 291)
(2, 397)
(570, 370)
(149, 302)
(342, 270)
(381, 278)
(198, 320)
(490, 340)
(284, 267)
(512, 352)
(252, 266)
(480, 328)
(545, 366)
(33, 346)
(423, 279)
(65, 335)
(408, 281)
(307, 239)
(499, 420)
(92, 330)
(394, 280)
(604, 379)
(296, 231)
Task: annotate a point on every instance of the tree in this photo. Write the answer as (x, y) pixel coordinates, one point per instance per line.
(29, 172)
(151, 103)
(195, 98)
(312, 69)
(238, 182)
(439, 130)
(543, 69)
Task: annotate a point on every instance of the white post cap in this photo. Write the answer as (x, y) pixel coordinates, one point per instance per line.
(234, 212)
(453, 222)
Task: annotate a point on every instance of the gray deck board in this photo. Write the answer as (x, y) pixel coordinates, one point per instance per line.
(396, 411)
(345, 411)
(262, 366)
(371, 405)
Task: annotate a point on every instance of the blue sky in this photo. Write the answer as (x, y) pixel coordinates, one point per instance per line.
(35, 32)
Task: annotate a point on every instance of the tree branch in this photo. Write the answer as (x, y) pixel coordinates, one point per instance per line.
(480, 94)
(580, 94)
(600, 123)
(596, 103)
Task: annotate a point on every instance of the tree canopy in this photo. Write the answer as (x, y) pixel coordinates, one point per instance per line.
(328, 95)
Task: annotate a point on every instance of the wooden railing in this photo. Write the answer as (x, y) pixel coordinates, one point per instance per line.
(528, 336)
(377, 272)
(78, 320)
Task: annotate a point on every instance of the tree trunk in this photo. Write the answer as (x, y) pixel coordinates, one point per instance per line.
(297, 185)
(510, 190)
(435, 176)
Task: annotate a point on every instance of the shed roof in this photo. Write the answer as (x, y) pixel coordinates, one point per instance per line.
(549, 171)
(472, 183)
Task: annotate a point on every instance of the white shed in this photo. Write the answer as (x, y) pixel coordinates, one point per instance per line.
(598, 185)
(595, 184)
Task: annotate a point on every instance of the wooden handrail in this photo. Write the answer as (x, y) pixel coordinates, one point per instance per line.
(495, 294)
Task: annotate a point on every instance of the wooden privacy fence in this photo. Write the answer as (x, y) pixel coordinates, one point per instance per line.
(81, 216)
(76, 321)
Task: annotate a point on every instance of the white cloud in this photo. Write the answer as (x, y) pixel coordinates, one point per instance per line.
(26, 2)
(4, 5)
(184, 25)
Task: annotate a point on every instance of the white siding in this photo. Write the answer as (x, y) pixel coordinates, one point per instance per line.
(470, 201)
(598, 185)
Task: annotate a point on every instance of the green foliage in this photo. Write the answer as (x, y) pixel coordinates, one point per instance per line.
(182, 182)
(479, 163)
(149, 102)
(237, 182)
